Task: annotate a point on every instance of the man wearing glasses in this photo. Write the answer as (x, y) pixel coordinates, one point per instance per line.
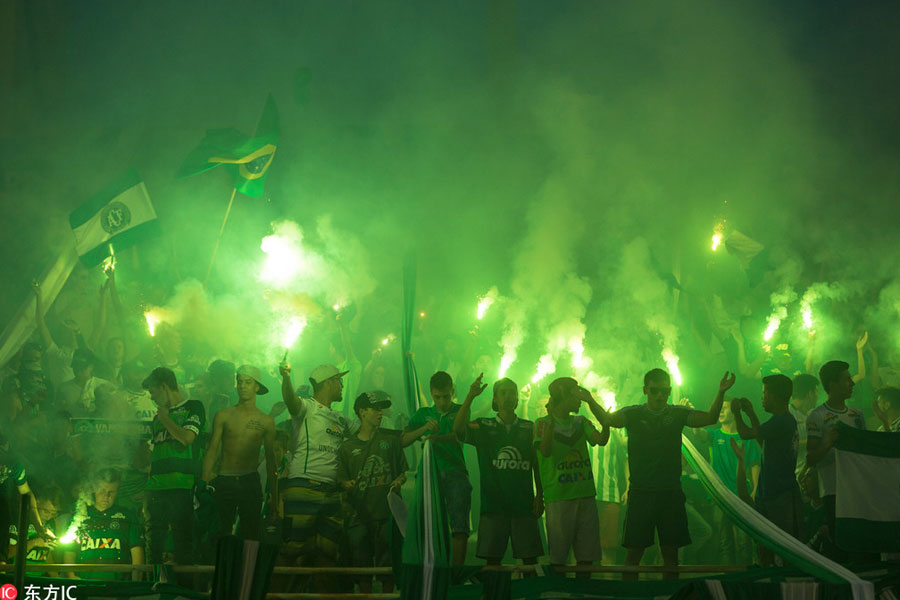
(655, 500)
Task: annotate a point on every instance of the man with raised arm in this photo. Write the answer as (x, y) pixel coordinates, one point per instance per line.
(239, 432)
(507, 465)
(452, 476)
(310, 494)
(778, 497)
(655, 499)
(567, 479)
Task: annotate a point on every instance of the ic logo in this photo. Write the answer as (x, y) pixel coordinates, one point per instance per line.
(8, 592)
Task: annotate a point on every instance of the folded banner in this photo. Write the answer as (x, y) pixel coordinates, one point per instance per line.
(867, 505)
(133, 429)
(425, 574)
(768, 534)
(121, 215)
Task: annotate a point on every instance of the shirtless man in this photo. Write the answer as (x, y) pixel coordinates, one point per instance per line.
(239, 431)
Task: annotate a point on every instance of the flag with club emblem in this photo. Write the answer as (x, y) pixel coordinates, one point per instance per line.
(120, 216)
(246, 158)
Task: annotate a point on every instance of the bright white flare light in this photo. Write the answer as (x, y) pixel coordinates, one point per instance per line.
(545, 366)
(284, 259)
(153, 319)
(608, 400)
(672, 365)
(295, 327)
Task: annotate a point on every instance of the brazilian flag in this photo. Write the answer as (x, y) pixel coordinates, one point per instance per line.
(246, 158)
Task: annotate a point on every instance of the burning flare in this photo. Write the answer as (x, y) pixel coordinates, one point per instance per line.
(672, 365)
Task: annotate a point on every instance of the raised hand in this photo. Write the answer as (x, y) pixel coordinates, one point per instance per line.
(735, 405)
(686, 402)
(746, 406)
(863, 339)
(726, 382)
(284, 369)
(477, 387)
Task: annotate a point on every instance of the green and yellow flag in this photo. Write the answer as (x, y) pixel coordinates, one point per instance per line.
(246, 158)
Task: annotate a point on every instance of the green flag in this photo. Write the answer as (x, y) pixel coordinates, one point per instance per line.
(246, 158)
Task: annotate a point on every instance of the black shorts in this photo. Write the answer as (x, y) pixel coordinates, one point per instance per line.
(784, 510)
(369, 544)
(659, 512)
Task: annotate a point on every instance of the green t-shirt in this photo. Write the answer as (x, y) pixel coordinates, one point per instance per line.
(107, 538)
(172, 464)
(374, 464)
(39, 552)
(566, 474)
(654, 446)
(723, 460)
(448, 456)
(505, 460)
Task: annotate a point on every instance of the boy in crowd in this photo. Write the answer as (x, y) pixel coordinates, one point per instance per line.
(108, 533)
(778, 498)
(887, 409)
(170, 500)
(822, 433)
(506, 461)
(371, 465)
(38, 547)
(655, 499)
(239, 432)
(453, 478)
(561, 440)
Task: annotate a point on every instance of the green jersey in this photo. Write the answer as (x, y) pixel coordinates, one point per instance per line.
(107, 537)
(566, 474)
(448, 456)
(505, 460)
(39, 551)
(373, 464)
(173, 464)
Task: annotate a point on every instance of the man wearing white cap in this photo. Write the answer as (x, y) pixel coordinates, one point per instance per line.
(311, 496)
(239, 431)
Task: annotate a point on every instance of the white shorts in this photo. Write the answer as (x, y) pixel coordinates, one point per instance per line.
(572, 524)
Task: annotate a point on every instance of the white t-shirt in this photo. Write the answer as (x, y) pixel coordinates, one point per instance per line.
(142, 407)
(820, 421)
(319, 432)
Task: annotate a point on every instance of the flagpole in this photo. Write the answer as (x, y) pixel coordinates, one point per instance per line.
(219, 238)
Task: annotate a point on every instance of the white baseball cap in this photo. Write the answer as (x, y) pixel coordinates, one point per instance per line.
(323, 372)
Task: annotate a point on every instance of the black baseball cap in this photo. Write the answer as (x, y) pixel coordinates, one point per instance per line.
(160, 376)
(370, 400)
